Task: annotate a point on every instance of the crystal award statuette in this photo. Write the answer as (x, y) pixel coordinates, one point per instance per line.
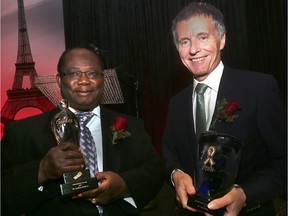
(65, 127)
(216, 169)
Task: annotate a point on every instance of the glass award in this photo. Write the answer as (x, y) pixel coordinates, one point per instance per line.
(65, 127)
(218, 159)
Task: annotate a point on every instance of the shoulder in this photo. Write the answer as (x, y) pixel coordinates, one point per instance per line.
(35, 121)
(183, 94)
(251, 86)
(246, 79)
(110, 115)
(246, 74)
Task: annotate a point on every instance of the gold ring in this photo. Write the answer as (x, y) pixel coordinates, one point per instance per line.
(94, 200)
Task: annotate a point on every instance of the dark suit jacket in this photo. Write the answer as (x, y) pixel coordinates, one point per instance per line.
(26, 141)
(261, 127)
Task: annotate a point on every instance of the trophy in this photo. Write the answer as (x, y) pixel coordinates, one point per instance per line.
(217, 163)
(65, 127)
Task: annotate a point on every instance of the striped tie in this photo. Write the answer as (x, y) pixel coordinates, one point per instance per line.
(87, 144)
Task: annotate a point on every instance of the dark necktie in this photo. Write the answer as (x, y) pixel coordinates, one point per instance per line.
(87, 144)
(200, 109)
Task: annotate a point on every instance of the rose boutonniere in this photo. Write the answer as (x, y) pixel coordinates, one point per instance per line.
(119, 129)
(225, 111)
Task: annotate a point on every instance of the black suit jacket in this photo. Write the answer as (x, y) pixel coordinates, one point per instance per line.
(260, 125)
(26, 141)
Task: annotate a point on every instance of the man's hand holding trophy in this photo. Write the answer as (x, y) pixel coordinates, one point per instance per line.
(65, 127)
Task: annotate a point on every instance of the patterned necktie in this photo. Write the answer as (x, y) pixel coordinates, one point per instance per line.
(200, 109)
(87, 144)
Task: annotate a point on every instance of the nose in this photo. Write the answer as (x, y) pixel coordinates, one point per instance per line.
(83, 79)
(194, 48)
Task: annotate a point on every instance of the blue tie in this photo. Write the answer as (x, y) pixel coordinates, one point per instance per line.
(87, 144)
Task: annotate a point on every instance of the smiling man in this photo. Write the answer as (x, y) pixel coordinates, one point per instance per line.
(83, 90)
(259, 118)
(199, 45)
(33, 163)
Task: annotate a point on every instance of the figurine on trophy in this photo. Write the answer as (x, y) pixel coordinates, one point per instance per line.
(65, 127)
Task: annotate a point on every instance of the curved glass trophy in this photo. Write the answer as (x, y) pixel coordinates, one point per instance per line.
(65, 125)
(217, 165)
(66, 128)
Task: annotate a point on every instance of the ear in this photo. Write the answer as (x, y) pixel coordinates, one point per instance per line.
(58, 80)
(222, 41)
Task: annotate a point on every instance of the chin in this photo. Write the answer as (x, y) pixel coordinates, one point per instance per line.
(201, 76)
(83, 107)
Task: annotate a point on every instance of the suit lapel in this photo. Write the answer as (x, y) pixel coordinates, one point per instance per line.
(190, 122)
(111, 156)
(222, 93)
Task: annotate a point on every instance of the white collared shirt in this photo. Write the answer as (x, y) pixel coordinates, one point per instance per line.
(94, 126)
(210, 95)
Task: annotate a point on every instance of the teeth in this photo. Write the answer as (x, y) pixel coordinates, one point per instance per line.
(197, 60)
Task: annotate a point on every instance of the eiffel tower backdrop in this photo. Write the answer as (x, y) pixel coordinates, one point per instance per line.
(43, 92)
(18, 97)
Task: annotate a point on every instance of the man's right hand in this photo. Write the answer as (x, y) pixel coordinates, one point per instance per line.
(60, 159)
(184, 187)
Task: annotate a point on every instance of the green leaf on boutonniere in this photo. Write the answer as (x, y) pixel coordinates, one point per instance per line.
(225, 111)
(119, 129)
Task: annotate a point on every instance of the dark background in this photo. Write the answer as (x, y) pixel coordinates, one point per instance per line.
(136, 38)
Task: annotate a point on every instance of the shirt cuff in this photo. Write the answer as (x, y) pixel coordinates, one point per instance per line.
(175, 170)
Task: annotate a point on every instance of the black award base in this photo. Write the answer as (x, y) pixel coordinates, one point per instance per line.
(199, 203)
(77, 182)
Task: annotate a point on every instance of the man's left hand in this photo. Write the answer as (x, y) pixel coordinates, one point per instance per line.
(234, 202)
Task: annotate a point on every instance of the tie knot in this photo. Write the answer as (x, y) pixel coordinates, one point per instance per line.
(201, 88)
(84, 117)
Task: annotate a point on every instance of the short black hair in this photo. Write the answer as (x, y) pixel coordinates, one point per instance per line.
(62, 59)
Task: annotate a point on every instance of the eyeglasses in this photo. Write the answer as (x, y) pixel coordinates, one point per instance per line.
(77, 74)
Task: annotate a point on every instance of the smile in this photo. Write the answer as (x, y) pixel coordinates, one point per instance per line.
(197, 59)
(83, 92)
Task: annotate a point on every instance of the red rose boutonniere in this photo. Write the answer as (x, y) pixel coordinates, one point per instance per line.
(119, 129)
(225, 111)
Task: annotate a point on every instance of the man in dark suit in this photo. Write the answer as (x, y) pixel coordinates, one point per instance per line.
(254, 113)
(129, 169)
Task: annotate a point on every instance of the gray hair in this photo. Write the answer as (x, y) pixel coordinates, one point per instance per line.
(196, 9)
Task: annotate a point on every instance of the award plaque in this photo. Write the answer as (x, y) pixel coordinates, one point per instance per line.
(65, 127)
(218, 158)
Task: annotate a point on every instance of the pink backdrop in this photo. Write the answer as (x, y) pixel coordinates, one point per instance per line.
(44, 19)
